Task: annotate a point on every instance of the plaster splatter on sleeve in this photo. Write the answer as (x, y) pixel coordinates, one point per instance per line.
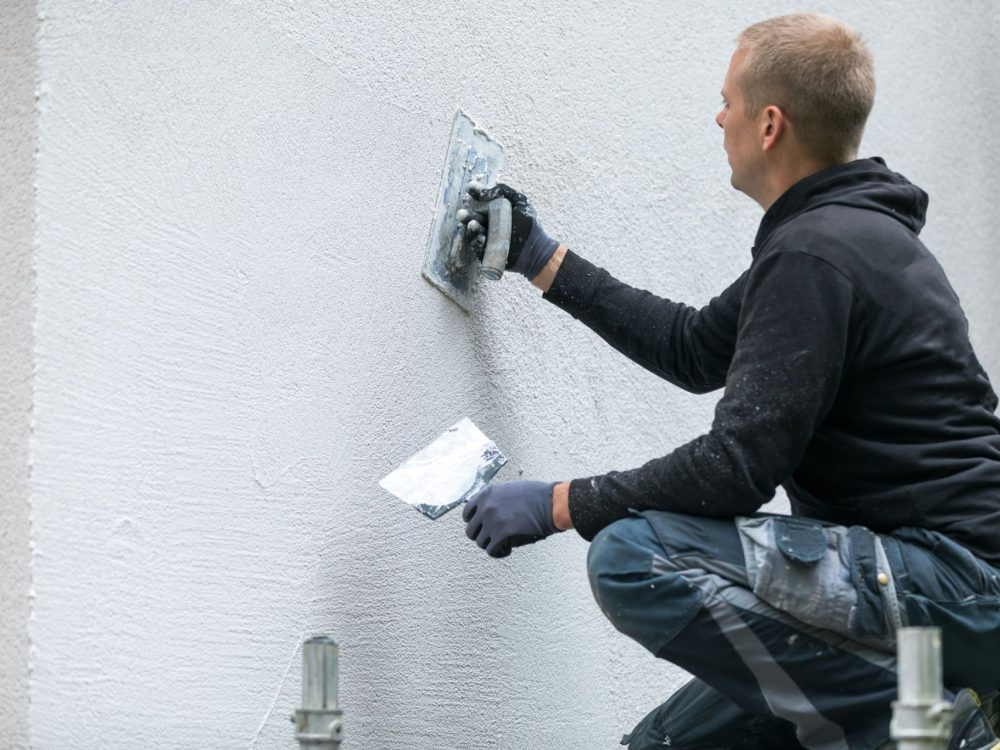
(790, 353)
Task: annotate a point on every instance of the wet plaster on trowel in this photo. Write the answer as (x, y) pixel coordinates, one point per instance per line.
(234, 344)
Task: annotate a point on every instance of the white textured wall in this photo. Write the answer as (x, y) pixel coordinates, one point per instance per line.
(234, 343)
(17, 222)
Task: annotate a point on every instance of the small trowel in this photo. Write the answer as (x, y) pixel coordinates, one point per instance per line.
(451, 264)
(449, 471)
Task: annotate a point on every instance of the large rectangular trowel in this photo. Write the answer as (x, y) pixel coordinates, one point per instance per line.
(450, 264)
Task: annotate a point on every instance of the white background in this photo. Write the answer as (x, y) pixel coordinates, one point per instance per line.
(233, 344)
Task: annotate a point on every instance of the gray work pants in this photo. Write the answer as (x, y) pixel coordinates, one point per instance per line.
(788, 624)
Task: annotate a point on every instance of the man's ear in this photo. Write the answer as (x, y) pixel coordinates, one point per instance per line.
(772, 127)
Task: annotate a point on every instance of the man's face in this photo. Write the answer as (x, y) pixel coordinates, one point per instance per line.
(739, 131)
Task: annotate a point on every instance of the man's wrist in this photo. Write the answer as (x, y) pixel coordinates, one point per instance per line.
(548, 273)
(560, 507)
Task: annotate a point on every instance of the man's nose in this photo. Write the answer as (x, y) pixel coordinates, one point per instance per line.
(719, 117)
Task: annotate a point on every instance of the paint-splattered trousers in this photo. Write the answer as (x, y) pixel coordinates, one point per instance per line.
(788, 624)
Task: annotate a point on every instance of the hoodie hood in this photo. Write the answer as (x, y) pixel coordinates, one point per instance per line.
(866, 183)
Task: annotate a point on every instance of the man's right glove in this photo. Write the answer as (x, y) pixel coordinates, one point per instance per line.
(530, 247)
(512, 514)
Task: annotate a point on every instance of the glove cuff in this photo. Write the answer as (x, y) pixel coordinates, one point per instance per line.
(537, 251)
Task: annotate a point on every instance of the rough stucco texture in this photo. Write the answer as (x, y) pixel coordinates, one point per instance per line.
(17, 180)
(234, 344)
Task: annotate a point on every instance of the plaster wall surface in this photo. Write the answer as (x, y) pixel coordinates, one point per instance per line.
(234, 343)
(17, 181)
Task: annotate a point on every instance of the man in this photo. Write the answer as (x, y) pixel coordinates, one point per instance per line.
(849, 380)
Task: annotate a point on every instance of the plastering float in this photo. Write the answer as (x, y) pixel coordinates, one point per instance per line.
(451, 264)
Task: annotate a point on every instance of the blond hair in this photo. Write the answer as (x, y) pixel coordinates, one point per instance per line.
(818, 71)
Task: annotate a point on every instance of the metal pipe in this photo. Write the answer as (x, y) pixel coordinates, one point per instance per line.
(319, 724)
(921, 718)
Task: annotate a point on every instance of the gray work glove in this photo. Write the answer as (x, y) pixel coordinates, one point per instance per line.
(504, 516)
(530, 247)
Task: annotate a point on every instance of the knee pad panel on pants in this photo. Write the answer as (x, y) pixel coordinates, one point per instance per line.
(640, 598)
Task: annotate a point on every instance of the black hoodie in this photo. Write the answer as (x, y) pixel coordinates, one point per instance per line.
(848, 372)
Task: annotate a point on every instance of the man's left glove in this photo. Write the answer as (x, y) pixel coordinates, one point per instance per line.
(504, 516)
(530, 248)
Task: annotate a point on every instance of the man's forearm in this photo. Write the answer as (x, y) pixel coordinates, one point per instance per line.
(689, 347)
(548, 273)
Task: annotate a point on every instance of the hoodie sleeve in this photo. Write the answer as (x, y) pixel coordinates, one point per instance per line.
(691, 348)
(790, 354)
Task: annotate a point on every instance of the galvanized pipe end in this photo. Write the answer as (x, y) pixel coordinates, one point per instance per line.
(319, 724)
(921, 719)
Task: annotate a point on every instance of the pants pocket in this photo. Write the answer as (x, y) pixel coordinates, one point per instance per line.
(824, 575)
(970, 634)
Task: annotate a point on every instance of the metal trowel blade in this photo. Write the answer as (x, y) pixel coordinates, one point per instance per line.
(472, 156)
(449, 471)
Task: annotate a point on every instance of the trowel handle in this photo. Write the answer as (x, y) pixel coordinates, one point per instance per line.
(500, 216)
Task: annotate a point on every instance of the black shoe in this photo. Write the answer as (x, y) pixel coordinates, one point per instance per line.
(971, 728)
